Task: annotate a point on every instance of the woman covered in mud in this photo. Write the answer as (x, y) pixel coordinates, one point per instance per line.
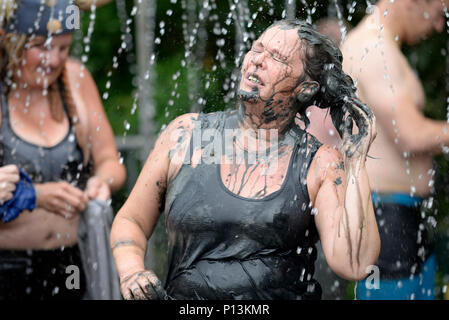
(54, 137)
(247, 194)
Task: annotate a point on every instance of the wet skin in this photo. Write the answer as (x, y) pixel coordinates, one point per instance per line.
(268, 88)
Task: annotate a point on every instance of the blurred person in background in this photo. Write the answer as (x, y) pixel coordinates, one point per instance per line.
(55, 135)
(400, 167)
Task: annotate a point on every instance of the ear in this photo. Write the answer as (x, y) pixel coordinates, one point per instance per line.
(307, 90)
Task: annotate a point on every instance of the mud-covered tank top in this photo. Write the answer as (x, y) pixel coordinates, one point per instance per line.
(61, 162)
(224, 246)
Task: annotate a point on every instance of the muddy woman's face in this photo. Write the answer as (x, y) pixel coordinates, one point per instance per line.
(273, 65)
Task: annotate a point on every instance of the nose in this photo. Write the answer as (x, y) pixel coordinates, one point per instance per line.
(258, 58)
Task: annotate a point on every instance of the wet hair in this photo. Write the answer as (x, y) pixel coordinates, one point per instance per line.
(322, 61)
(12, 49)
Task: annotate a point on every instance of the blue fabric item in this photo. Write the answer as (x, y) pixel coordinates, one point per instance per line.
(24, 198)
(420, 287)
(32, 17)
(398, 198)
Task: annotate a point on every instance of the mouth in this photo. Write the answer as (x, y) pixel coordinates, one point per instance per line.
(253, 78)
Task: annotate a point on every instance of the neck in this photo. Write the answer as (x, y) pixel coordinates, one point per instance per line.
(265, 116)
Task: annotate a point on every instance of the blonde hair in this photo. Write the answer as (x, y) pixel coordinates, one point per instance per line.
(12, 49)
(7, 8)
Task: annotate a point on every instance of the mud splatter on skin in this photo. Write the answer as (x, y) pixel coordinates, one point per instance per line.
(245, 179)
(246, 96)
(337, 181)
(183, 136)
(341, 165)
(281, 55)
(161, 188)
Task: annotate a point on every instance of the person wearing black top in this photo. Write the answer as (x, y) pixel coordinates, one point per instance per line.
(247, 194)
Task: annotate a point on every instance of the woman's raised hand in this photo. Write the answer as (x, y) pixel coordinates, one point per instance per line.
(355, 146)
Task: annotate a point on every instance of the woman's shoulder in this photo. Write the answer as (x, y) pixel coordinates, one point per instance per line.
(191, 120)
(80, 76)
(186, 121)
(74, 65)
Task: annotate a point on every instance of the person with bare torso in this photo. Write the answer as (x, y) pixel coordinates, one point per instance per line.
(54, 128)
(246, 229)
(400, 167)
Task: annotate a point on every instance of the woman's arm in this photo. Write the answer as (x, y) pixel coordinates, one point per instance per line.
(136, 219)
(109, 173)
(340, 190)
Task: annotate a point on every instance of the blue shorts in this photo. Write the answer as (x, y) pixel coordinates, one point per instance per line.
(420, 287)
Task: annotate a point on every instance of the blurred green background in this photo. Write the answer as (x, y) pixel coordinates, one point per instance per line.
(210, 62)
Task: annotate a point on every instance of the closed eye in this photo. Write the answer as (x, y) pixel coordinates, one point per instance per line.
(257, 50)
(279, 58)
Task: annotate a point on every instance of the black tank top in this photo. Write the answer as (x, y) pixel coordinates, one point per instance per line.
(62, 162)
(223, 246)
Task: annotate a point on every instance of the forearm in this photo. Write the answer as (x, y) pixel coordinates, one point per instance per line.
(112, 172)
(358, 237)
(128, 245)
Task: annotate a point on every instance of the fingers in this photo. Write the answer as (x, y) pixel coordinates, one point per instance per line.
(98, 189)
(9, 173)
(348, 126)
(366, 123)
(361, 119)
(143, 285)
(10, 168)
(156, 286)
(5, 196)
(73, 197)
(67, 200)
(93, 186)
(9, 176)
(6, 191)
(7, 186)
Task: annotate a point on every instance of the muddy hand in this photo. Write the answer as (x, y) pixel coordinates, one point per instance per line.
(142, 285)
(358, 144)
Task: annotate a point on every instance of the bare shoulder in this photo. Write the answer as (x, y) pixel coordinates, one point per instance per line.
(183, 122)
(79, 74)
(177, 131)
(365, 49)
(173, 142)
(74, 64)
(76, 69)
